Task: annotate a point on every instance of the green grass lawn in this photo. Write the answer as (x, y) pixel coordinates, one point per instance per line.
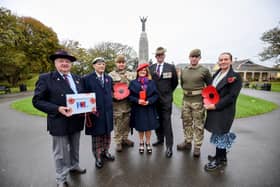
(25, 105)
(275, 86)
(30, 84)
(246, 105)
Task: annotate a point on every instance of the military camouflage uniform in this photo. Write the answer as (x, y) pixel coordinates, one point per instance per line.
(193, 79)
(121, 108)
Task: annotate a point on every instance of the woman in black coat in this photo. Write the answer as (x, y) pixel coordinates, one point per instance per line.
(143, 95)
(220, 116)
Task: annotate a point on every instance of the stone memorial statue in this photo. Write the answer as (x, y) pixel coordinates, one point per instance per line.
(143, 20)
(143, 43)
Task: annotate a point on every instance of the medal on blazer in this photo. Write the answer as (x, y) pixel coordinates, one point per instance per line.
(210, 95)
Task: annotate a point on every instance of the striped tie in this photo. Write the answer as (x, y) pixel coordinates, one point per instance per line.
(158, 70)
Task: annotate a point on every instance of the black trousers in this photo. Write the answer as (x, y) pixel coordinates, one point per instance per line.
(165, 127)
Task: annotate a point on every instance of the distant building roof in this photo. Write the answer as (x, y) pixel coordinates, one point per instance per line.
(248, 65)
(239, 66)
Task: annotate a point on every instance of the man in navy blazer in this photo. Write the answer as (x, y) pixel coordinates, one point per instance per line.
(165, 76)
(50, 97)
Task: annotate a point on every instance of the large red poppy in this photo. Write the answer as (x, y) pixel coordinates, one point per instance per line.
(121, 91)
(210, 95)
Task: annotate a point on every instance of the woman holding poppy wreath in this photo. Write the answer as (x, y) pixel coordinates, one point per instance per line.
(220, 116)
(143, 95)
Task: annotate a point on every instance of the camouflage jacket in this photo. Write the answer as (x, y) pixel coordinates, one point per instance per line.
(124, 76)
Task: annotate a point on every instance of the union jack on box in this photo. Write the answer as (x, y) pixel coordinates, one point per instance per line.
(81, 103)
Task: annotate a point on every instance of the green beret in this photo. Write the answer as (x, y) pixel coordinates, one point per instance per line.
(195, 52)
(120, 58)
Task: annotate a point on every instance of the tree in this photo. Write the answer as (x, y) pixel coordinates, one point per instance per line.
(272, 39)
(83, 64)
(12, 59)
(109, 51)
(25, 44)
(40, 42)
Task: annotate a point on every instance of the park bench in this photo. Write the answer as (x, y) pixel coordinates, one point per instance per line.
(246, 84)
(5, 89)
(262, 86)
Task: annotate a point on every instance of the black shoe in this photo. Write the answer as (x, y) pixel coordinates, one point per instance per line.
(107, 156)
(78, 170)
(211, 158)
(64, 184)
(222, 160)
(169, 152)
(98, 163)
(213, 165)
(157, 143)
(149, 148)
(141, 148)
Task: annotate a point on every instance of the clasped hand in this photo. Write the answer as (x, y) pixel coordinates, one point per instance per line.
(210, 107)
(143, 102)
(66, 111)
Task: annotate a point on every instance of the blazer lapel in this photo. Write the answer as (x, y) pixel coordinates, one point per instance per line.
(224, 81)
(77, 82)
(153, 72)
(62, 83)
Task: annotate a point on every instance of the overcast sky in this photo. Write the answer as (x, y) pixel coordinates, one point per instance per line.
(214, 26)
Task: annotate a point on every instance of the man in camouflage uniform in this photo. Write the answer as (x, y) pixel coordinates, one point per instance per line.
(193, 78)
(121, 107)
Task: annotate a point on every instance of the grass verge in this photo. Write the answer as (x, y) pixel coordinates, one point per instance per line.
(25, 105)
(246, 105)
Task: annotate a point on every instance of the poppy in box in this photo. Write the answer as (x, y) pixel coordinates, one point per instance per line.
(210, 95)
(142, 95)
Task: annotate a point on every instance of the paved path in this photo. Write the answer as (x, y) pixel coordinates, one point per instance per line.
(26, 161)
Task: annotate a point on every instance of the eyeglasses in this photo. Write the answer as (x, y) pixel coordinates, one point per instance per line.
(157, 55)
(121, 62)
(194, 56)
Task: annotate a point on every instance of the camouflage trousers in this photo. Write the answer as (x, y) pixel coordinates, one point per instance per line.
(121, 126)
(193, 117)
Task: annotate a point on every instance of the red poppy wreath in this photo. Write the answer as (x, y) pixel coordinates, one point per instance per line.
(121, 91)
(210, 95)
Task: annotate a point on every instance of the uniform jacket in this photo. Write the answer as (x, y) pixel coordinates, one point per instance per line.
(102, 120)
(143, 118)
(166, 83)
(220, 120)
(123, 106)
(49, 94)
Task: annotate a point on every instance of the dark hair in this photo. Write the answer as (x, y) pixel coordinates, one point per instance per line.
(227, 53)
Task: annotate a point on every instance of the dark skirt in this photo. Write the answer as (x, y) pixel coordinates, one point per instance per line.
(144, 118)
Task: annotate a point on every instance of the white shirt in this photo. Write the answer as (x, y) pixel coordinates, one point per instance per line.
(71, 82)
(219, 77)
